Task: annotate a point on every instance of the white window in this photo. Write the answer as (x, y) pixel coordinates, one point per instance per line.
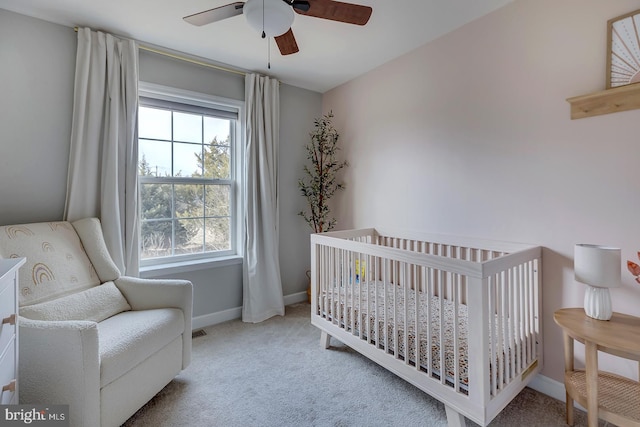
(188, 169)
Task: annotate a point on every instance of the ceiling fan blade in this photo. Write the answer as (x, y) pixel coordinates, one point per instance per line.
(287, 43)
(302, 5)
(217, 14)
(338, 11)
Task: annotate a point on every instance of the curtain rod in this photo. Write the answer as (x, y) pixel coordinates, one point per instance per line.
(184, 58)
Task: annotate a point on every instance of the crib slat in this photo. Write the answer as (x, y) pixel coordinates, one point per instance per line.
(321, 294)
(322, 283)
(530, 312)
(385, 330)
(395, 308)
(441, 340)
(360, 309)
(429, 331)
(510, 323)
(500, 305)
(376, 325)
(331, 283)
(492, 335)
(366, 316)
(405, 287)
(342, 317)
(456, 325)
(520, 321)
(525, 316)
(352, 291)
(536, 303)
(531, 290)
(335, 284)
(416, 326)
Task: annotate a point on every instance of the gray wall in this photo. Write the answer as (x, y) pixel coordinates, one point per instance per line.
(38, 66)
(298, 108)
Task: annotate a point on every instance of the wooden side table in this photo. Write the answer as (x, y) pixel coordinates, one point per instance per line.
(608, 396)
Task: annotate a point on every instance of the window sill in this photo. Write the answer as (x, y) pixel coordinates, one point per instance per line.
(152, 271)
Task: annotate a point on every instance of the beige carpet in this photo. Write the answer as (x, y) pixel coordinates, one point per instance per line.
(275, 374)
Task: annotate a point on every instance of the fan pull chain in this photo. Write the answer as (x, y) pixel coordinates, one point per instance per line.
(263, 33)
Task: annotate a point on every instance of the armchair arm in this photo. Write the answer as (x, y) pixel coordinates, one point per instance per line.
(146, 294)
(60, 364)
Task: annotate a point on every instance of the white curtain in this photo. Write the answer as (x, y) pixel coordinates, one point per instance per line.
(262, 286)
(102, 179)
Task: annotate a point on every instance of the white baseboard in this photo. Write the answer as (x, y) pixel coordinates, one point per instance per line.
(236, 313)
(215, 318)
(295, 298)
(548, 386)
(552, 388)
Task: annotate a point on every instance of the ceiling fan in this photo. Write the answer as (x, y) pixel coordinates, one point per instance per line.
(273, 18)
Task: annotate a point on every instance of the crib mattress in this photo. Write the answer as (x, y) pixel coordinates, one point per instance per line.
(364, 305)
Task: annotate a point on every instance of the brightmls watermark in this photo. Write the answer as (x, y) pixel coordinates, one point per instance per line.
(34, 415)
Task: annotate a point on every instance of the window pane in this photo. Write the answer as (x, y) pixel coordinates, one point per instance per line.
(192, 232)
(217, 235)
(155, 239)
(187, 127)
(155, 201)
(181, 216)
(189, 200)
(216, 130)
(186, 159)
(154, 123)
(218, 200)
(155, 158)
(217, 162)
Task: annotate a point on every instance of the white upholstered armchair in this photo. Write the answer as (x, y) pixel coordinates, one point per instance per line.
(100, 342)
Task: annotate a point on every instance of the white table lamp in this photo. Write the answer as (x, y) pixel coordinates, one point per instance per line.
(599, 268)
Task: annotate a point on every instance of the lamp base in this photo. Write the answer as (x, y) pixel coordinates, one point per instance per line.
(597, 303)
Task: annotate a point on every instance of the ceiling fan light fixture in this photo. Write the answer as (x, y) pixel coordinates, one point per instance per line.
(278, 16)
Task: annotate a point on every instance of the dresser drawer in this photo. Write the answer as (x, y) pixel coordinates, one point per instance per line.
(7, 309)
(8, 373)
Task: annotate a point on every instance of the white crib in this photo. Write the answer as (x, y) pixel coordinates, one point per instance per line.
(407, 301)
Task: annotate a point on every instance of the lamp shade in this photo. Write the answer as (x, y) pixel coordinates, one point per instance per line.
(274, 17)
(597, 266)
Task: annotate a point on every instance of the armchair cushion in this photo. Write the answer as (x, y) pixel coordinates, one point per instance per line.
(95, 304)
(129, 338)
(57, 264)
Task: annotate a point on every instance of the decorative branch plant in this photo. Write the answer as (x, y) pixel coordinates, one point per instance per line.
(320, 181)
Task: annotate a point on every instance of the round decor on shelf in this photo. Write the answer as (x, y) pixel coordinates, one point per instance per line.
(623, 55)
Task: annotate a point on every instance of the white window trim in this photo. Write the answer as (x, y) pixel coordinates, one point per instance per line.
(159, 270)
(183, 263)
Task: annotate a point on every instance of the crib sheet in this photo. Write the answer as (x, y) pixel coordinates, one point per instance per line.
(371, 296)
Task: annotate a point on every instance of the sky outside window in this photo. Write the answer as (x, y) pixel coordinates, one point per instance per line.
(189, 133)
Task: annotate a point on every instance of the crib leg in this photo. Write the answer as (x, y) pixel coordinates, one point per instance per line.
(454, 418)
(325, 340)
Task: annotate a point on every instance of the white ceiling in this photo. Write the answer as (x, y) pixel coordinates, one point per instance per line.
(331, 53)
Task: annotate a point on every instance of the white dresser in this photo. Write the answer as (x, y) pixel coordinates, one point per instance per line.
(9, 330)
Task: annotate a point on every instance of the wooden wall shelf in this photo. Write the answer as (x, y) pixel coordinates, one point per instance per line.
(621, 98)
